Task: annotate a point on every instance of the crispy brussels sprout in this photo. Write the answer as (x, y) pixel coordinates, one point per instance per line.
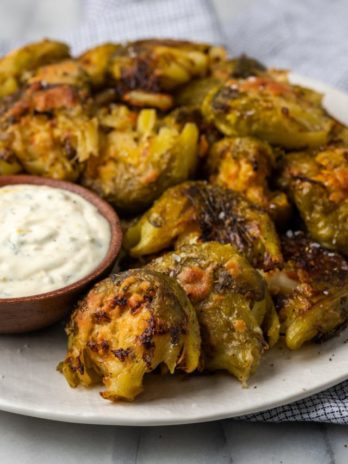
(311, 292)
(95, 62)
(245, 164)
(15, 65)
(208, 213)
(67, 72)
(278, 112)
(318, 185)
(125, 327)
(140, 158)
(49, 130)
(145, 71)
(162, 64)
(231, 301)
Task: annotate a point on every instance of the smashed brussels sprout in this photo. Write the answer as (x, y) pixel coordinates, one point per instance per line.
(141, 156)
(125, 327)
(145, 72)
(49, 129)
(199, 211)
(231, 301)
(278, 112)
(318, 184)
(311, 292)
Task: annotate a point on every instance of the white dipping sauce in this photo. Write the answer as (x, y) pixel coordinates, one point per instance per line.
(49, 238)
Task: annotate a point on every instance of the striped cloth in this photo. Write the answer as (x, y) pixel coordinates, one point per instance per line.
(119, 20)
(307, 36)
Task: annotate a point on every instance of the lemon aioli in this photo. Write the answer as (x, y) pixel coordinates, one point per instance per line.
(49, 238)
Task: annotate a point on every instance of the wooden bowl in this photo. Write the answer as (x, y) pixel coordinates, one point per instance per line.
(24, 314)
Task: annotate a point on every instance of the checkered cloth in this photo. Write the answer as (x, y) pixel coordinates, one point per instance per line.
(328, 406)
(307, 36)
(119, 20)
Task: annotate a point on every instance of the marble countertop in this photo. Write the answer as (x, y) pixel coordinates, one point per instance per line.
(25, 440)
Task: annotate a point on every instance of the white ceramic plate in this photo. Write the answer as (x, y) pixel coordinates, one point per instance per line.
(30, 385)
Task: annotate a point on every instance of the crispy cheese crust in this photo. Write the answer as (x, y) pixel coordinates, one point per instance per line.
(125, 327)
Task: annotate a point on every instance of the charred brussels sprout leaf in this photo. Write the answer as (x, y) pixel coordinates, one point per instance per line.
(140, 158)
(278, 112)
(201, 212)
(311, 292)
(318, 185)
(95, 62)
(125, 327)
(231, 301)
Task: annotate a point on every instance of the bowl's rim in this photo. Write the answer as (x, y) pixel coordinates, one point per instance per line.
(104, 208)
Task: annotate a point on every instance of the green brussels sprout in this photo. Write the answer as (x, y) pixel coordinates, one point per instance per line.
(141, 157)
(15, 66)
(201, 212)
(278, 112)
(318, 184)
(95, 62)
(245, 164)
(145, 72)
(49, 130)
(125, 327)
(231, 300)
(311, 292)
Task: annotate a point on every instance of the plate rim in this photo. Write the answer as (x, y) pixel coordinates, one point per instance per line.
(89, 419)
